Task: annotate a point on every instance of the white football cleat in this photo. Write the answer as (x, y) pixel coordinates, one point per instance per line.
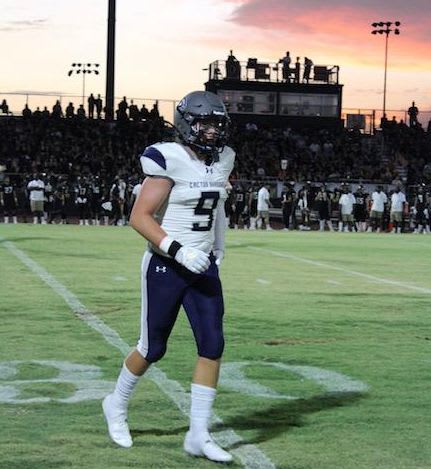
(117, 423)
(206, 448)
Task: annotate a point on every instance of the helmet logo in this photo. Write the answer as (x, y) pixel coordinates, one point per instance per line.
(182, 105)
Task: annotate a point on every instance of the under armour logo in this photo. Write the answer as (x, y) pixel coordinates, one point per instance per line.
(161, 269)
(209, 170)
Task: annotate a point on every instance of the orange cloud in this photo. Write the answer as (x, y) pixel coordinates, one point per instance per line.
(344, 26)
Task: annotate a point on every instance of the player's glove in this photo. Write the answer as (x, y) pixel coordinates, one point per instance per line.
(193, 259)
(219, 255)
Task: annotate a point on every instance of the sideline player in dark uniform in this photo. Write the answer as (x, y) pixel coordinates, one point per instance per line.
(96, 194)
(61, 199)
(82, 200)
(23, 206)
(180, 212)
(239, 205)
(8, 201)
(49, 198)
(420, 205)
(360, 209)
(323, 206)
(288, 197)
(335, 207)
(252, 196)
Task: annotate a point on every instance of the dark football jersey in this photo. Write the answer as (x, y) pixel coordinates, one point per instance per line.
(239, 197)
(420, 201)
(288, 196)
(8, 192)
(96, 191)
(82, 191)
(361, 200)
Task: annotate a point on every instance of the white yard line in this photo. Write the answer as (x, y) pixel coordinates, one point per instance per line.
(250, 456)
(395, 283)
(334, 282)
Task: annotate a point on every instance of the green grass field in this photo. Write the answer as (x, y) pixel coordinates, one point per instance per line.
(355, 305)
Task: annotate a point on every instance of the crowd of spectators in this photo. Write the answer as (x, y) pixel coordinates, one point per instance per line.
(325, 155)
(69, 145)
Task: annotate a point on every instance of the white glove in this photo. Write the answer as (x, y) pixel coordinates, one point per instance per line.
(219, 255)
(193, 259)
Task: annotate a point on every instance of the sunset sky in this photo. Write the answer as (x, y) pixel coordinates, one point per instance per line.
(163, 45)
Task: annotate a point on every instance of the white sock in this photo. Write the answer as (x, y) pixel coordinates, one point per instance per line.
(126, 382)
(201, 409)
(6, 219)
(15, 219)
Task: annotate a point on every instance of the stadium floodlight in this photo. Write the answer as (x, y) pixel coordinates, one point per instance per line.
(84, 69)
(384, 27)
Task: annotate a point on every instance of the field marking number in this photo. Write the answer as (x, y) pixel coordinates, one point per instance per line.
(89, 385)
(232, 376)
(86, 379)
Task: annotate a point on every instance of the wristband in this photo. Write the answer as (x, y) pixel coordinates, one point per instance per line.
(174, 248)
(170, 246)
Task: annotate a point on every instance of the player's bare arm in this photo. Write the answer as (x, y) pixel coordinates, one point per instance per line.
(153, 194)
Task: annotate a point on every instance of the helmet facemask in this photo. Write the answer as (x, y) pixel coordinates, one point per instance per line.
(208, 134)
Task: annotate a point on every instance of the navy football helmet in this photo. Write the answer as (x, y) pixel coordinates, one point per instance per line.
(202, 122)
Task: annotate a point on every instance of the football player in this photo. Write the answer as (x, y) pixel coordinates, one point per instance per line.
(180, 211)
(239, 197)
(420, 205)
(360, 209)
(323, 205)
(82, 200)
(288, 197)
(95, 199)
(8, 201)
(252, 204)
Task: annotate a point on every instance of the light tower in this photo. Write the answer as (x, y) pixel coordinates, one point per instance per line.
(385, 27)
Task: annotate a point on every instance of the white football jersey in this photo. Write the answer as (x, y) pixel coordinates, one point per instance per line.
(189, 212)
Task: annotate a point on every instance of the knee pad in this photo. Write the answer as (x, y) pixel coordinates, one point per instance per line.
(153, 354)
(213, 350)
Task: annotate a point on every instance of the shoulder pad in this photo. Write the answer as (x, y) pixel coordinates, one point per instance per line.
(227, 159)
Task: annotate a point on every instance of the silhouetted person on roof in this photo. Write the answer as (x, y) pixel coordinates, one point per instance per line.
(233, 67)
(308, 64)
(297, 70)
(285, 61)
(413, 112)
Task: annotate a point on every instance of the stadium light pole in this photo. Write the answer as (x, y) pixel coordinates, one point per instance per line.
(110, 62)
(83, 69)
(385, 27)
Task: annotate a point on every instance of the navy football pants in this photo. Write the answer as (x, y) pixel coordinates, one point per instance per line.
(166, 285)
